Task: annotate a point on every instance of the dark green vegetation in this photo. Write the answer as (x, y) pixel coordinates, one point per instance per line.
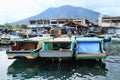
(18, 26)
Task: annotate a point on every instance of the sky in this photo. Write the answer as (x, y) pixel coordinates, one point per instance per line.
(15, 10)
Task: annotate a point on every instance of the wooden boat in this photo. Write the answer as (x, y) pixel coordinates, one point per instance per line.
(90, 48)
(26, 48)
(61, 47)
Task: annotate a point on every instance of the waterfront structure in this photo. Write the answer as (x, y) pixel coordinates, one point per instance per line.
(109, 21)
(53, 23)
(110, 25)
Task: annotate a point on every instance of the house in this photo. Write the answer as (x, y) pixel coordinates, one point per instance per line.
(54, 23)
(110, 25)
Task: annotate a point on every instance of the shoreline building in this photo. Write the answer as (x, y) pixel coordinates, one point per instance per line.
(110, 25)
(55, 23)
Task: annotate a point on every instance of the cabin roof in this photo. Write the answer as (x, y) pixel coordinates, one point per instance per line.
(62, 39)
(74, 24)
(34, 39)
(88, 39)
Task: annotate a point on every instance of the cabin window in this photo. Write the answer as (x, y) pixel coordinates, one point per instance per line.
(26, 45)
(46, 22)
(111, 31)
(61, 22)
(106, 21)
(32, 22)
(39, 22)
(115, 23)
(48, 46)
(63, 45)
(30, 45)
(57, 45)
(89, 47)
(54, 22)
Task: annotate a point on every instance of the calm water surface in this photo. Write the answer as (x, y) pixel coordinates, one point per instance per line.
(22, 69)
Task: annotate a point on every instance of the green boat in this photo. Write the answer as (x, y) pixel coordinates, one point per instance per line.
(61, 47)
(90, 48)
(26, 48)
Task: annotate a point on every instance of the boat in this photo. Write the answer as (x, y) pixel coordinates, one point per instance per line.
(6, 39)
(26, 48)
(60, 47)
(90, 48)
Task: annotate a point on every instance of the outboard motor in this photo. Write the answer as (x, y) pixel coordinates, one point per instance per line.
(107, 39)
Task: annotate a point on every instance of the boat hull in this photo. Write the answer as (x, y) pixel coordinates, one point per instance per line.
(31, 54)
(56, 54)
(91, 56)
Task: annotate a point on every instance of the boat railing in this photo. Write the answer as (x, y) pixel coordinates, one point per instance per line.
(36, 50)
(60, 50)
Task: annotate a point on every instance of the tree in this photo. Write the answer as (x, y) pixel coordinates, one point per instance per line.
(24, 26)
(8, 25)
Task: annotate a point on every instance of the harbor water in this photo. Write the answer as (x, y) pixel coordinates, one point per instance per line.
(22, 69)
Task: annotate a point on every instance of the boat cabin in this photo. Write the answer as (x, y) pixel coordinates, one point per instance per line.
(28, 48)
(90, 48)
(25, 45)
(62, 47)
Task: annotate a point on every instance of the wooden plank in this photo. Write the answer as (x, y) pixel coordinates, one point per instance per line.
(100, 54)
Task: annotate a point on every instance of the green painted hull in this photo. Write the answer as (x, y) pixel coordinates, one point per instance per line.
(90, 57)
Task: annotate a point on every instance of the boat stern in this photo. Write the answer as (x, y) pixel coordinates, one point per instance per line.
(22, 54)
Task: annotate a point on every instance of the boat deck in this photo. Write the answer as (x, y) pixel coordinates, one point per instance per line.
(60, 40)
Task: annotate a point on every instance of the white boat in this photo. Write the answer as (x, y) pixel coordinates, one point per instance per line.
(8, 39)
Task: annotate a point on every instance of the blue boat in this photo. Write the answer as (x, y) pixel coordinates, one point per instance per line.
(90, 48)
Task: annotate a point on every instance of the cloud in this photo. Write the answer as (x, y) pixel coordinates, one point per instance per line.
(104, 6)
(13, 10)
(111, 11)
(18, 9)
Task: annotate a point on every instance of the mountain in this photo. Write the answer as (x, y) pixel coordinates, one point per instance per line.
(66, 11)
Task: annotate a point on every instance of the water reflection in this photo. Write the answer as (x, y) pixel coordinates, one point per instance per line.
(37, 69)
(113, 48)
(4, 63)
(113, 67)
(4, 47)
